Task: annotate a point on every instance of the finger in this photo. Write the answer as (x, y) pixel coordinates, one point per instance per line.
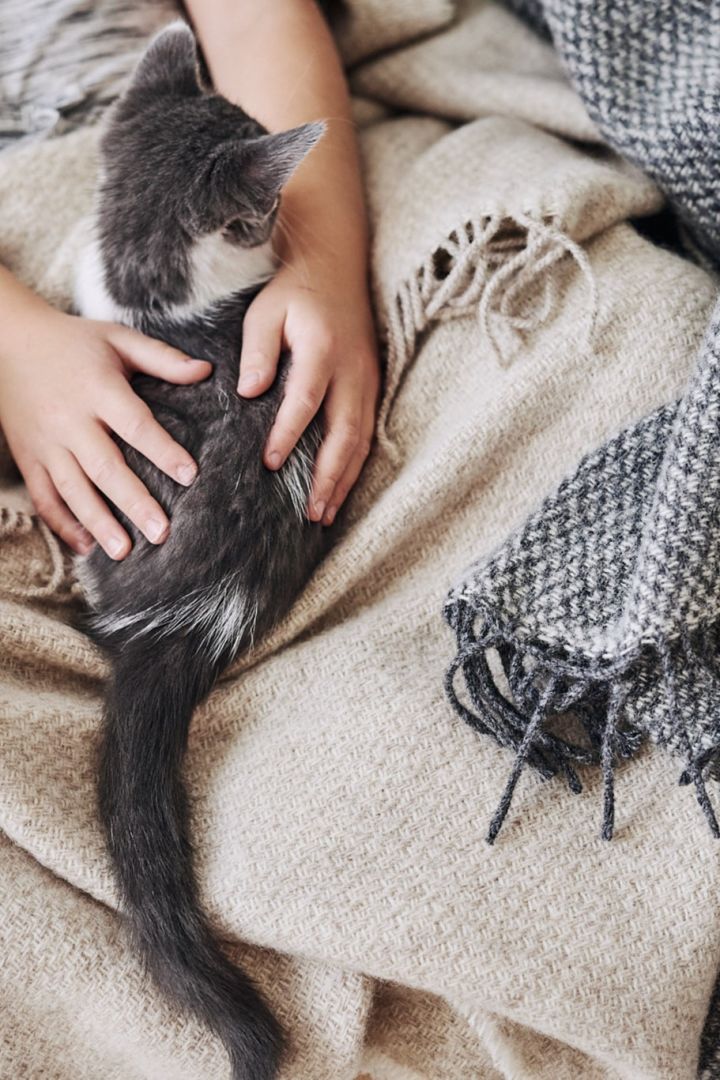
(342, 436)
(55, 513)
(261, 345)
(349, 477)
(304, 393)
(78, 493)
(103, 462)
(129, 417)
(153, 357)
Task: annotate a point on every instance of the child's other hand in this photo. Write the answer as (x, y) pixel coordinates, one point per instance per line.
(317, 306)
(328, 329)
(64, 386)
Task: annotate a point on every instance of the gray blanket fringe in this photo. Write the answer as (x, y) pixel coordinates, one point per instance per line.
(545, 685)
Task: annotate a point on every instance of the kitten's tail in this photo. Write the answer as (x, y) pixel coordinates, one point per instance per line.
(152, 694)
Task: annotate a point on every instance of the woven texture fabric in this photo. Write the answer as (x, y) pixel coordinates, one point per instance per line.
(605, 605)
(649, 74)
(338, 805)
(63, 61)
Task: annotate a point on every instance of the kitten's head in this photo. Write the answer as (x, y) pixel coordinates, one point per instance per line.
(181, 166)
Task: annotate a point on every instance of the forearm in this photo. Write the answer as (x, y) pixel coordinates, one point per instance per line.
(22, 313)
(279, 62)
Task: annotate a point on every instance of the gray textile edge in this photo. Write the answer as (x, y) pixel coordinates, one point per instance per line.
(628, 654)
(617, 622)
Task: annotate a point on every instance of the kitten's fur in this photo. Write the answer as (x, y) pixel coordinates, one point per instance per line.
(186, 208)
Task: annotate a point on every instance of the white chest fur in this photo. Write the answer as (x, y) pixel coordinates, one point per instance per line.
(218, 269)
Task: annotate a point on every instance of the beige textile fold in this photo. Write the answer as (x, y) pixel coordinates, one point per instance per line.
(338, 804)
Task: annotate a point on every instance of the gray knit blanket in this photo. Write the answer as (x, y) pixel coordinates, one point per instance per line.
(596, 626)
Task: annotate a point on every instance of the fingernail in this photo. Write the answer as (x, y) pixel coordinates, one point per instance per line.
(330, 516)
(274, 459)
(115, 546)
(318, 508)
(155, 530)
(248, 380)
(186, 474)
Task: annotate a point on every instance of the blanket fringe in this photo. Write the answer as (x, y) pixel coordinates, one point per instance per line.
(21, 523)
(498, 267)
(544, 685)
(693, 772)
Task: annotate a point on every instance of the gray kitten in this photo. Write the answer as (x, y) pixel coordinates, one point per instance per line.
(187, 202)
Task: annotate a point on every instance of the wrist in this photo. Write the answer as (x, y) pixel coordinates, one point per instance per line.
(29, 323)
(335, 277)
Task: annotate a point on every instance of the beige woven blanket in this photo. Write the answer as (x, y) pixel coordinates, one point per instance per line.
(339, 806)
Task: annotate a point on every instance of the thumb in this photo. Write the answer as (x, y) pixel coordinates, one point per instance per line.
(261, 344)
(153, 357)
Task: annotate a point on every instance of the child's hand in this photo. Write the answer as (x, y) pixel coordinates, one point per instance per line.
(64, 386)
(328, 329)
(279, 61)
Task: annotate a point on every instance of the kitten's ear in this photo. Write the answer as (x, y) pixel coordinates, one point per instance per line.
(171, 62)
(276, 157)
(264, 165)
